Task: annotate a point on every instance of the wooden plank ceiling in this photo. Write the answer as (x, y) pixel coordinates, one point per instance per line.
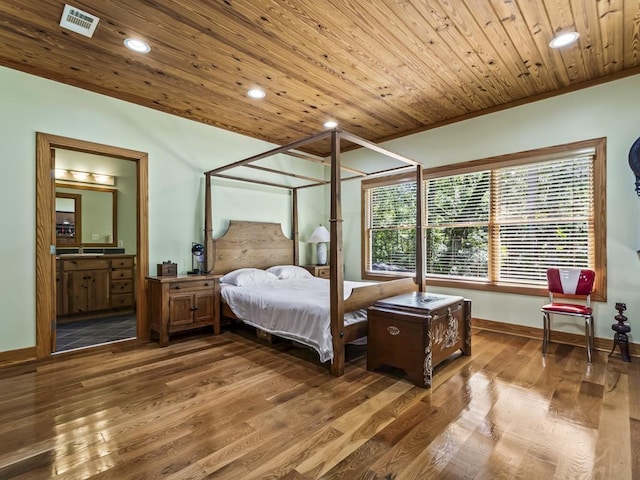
(382, 69)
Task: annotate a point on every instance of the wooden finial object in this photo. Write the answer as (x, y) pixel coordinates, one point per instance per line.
(620, 338)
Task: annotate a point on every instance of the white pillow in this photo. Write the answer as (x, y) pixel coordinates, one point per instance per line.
(248, 276)
(289, 271)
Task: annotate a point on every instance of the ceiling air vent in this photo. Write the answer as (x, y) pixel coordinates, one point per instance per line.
(78, 21)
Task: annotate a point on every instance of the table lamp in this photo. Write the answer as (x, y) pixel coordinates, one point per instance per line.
(320, 237)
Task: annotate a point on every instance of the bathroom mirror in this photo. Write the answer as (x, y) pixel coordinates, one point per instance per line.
(86, 216)
(68, 219)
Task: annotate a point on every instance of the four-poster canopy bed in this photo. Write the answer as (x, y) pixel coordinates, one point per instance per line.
(262, 245)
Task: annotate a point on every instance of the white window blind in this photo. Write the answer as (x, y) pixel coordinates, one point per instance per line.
(391, 220)
(544, 215)
(457, 225)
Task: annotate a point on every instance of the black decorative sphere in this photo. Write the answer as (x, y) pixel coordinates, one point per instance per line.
(197, 249)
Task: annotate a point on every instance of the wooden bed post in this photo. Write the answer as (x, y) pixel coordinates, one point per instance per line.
(208, 225)
(232, 251)
(294, 225)
(420, 276)
(336, 262)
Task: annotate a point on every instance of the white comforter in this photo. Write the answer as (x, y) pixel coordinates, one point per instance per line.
(297, 309)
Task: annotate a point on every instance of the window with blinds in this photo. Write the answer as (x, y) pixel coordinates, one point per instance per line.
(391, 227)
(544, 217)
(457, 225)
(499, 222)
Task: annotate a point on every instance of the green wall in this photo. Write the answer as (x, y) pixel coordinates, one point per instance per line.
(181, 150)
(609, 110)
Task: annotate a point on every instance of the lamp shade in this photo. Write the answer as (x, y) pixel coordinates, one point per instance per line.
(319, 235)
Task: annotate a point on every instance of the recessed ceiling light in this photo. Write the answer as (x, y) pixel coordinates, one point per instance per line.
(564, 39)
(137, 45)
(256, 93)
(330, 124)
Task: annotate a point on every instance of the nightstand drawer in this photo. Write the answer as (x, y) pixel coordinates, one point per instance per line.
(323, 272)
(195, 285)
(320, 271)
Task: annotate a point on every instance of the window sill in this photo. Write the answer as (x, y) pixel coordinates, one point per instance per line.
(537, 291)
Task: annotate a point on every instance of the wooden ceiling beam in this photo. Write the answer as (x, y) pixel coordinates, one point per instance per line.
(282, 172)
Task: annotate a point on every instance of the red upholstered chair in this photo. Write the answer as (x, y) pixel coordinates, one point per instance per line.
(578, 283)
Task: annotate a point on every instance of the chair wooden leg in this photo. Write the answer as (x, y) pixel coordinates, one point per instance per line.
(546, 335)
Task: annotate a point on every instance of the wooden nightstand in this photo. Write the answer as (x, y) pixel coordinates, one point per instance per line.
(321, 271)
(183, 303)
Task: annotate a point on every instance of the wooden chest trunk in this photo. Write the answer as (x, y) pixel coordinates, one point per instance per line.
(417, 331)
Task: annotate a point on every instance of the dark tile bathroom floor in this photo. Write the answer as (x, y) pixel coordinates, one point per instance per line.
(83, 333)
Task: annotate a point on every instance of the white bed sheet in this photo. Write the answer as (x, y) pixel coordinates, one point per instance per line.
(297, 309)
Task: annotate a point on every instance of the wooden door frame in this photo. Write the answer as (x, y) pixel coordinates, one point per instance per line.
(46, 234)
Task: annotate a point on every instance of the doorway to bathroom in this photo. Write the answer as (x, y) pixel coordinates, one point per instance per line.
(92, 281)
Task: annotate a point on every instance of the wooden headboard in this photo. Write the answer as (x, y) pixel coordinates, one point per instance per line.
(251, 244)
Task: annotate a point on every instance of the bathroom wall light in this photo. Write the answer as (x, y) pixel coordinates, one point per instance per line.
(84, 177)
(80, 176)
(103, 179)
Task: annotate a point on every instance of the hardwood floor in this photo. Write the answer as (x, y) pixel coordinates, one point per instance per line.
(230, 407)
